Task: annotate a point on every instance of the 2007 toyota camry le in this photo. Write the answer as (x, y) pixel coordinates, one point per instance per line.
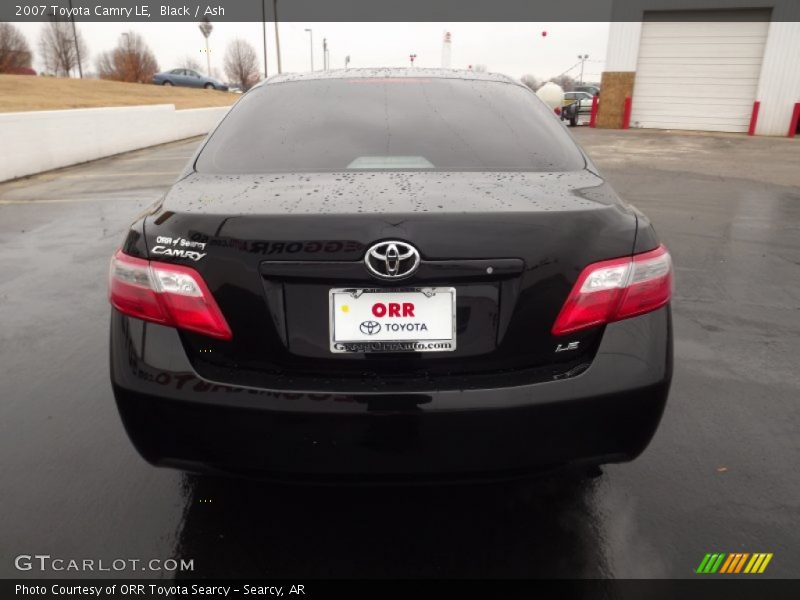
(390, 275)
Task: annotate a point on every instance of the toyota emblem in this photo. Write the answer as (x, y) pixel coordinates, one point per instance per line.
(392, 260)
(370, 327)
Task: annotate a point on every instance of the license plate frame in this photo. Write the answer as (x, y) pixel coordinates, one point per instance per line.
(363, 343)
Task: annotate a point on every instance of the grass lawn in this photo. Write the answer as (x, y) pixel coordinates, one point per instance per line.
(26, 92)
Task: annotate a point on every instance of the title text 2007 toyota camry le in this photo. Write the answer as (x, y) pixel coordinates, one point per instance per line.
(390, 274)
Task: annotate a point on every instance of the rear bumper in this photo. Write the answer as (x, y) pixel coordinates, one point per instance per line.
(608, 413)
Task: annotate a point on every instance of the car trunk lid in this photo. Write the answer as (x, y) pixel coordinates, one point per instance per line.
(273, 246)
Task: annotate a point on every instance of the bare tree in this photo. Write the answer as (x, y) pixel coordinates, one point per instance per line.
(57, 47)
(241, 64)
(566, 82)
(190, 62)
(131, 61)
(15, 53)
(531, 81)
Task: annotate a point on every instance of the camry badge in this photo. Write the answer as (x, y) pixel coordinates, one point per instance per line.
(392, 260)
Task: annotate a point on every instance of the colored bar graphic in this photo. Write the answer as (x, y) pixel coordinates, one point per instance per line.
(741, 562)
(734, 563)
(727, 564)
(717, 563)
(754, 562)
(764, 564)
(703, 563)
(736, 558)
(710, 563)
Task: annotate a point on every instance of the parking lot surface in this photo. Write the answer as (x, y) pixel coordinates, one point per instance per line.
(720, 476)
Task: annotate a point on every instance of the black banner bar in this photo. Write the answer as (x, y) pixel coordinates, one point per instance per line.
(379, 10)
(703, 587)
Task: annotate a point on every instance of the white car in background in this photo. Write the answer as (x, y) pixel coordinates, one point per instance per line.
(584, 108)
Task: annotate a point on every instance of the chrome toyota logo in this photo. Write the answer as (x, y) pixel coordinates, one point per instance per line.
(370, 327)
(392, 260)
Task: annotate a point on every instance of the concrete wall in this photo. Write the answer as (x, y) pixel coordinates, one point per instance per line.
(42, 140)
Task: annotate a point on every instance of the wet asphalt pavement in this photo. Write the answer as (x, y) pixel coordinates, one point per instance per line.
(721, 474)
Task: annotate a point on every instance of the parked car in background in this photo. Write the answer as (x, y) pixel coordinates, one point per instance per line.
(581, 97)
(589, 89)
(188, 78)
(576, 105)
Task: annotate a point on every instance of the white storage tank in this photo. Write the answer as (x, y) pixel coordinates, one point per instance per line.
(553, 95)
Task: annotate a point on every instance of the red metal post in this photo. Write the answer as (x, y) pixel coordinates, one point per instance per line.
(593, 115)
(626, 114)
(795, 119)
(754, 118)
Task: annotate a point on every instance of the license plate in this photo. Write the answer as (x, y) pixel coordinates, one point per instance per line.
(398, 320)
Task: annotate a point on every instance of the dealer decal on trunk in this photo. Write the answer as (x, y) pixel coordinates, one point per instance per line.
(180, 247)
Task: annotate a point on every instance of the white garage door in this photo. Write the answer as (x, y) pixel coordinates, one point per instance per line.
(698, 75)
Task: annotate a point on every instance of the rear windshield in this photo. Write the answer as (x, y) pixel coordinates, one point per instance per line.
(389, 124)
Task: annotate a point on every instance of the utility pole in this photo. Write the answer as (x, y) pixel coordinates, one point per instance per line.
(311, 42)
(582, 58)
(324, 54)
(277, 37)
(127, 37)
(206, 28)
(346, 61)
(264, 31)
(75, 38)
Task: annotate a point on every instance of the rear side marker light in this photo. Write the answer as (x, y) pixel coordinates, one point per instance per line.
(617, 289)
(171, 295)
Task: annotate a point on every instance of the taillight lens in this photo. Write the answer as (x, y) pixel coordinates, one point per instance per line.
(617, 289)
(162, 293)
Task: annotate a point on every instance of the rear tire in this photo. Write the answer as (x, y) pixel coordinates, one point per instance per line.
(209, 86)
(168, 83)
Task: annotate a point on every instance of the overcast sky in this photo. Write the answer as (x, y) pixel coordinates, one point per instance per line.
(511, 48)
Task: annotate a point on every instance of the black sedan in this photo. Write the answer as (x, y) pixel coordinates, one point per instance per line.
(390, 275)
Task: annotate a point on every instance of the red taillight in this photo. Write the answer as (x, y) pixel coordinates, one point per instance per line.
(167, 294)
(617, 289)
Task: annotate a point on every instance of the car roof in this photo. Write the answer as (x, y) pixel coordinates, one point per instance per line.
(391, 73)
